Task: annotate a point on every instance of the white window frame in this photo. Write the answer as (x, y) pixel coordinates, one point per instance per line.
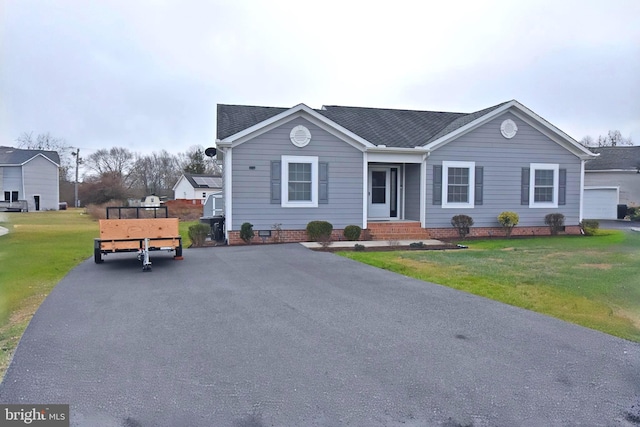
(445, 184)
(285, 202)
(532, 184)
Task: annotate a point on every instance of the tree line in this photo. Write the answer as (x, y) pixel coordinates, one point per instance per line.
(118, 173)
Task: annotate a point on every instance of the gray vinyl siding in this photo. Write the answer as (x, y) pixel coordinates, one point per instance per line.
(412, 192)
(251, 187)
(503, 160)
(12, 180)
(628, 182)
(41, 178)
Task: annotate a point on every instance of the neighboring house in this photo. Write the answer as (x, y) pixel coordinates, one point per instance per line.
(396, 172)
(612, 178)
(197, 187)
(30, 176)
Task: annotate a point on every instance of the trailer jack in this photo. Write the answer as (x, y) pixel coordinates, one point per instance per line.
(143, 256)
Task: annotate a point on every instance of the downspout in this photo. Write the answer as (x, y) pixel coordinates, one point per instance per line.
(365, 189)
(228, 201)
(423, 190)
(582, 162)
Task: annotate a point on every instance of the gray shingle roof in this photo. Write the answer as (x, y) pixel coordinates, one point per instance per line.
(16, 156)
(232, 119)
(621, 158)
(380, 126)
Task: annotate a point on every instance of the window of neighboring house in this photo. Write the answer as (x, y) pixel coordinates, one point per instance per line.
(7, 196)
(300, 176)
(10, 196)
(543, 191)
(458, 184)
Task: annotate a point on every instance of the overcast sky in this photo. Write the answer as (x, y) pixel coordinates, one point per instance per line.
(147, 75)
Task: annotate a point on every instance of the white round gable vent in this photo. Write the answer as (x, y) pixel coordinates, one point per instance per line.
(508, 128)
(300, 136)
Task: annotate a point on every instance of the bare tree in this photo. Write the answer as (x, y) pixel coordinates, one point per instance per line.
(117, 161)
(156, 173)
(612, 139)
(47, 142)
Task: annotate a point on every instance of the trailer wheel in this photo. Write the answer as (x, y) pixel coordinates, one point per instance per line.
(179, 251)
(97, 256)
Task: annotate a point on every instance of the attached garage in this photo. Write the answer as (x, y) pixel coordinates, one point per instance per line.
(600, 202)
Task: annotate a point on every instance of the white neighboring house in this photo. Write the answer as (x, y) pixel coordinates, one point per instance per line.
(196, 187)
(29, 177)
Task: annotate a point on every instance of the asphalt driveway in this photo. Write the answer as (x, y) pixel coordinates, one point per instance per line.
(283, 336)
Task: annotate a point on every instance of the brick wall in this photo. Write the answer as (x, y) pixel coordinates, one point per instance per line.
(452, 233)
(294, 236)
(286, 236)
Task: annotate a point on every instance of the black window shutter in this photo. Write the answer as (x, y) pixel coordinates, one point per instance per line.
(323, 182)
(562, 187)
(479, 184)
(437, 184)
(276, 177)
(524, 191)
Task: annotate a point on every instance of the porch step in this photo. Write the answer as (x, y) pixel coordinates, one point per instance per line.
(397, 231)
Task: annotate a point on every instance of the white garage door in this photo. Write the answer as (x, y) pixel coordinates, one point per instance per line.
(600, 203)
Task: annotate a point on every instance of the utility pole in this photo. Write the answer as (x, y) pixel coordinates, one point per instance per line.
(76, 154)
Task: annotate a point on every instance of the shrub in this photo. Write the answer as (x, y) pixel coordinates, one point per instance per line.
(555, 221)
(589, 226)
(417, 245)
(358, 248)
(246, 232)
(352, 232)
(462, 223)
(634, 213)
(319, 231)
(198, 234)
(508, 220)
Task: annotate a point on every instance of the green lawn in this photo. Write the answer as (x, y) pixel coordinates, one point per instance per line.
(40, 249)
(592, 281)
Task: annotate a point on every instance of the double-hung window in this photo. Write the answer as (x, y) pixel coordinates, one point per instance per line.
(458, 184)
(300, 179)
(543, 190)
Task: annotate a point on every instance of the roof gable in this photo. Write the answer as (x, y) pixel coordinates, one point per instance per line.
(10, 156)
(615, 158)
(391, 128)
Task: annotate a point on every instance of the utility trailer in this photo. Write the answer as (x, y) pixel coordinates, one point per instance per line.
(137, 229)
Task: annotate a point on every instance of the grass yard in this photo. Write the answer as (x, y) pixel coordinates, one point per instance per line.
(40, 249)
(591, 281)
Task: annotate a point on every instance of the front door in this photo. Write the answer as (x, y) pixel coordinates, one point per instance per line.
(379, 193)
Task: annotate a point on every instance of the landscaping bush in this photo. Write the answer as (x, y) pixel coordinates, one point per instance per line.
(508, 220)
(462, 223)
(352, 232)
(358, 248)
(246, 232)
(634, 213)
(555, 221)
(417, 245)
(589, 226)
(198, 234)
(319, 231)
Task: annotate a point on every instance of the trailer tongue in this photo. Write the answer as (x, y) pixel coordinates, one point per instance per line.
(138, 229)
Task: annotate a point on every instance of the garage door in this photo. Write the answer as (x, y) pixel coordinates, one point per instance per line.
(600, 203)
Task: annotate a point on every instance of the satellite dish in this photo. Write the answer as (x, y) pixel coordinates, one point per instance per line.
(210, 152)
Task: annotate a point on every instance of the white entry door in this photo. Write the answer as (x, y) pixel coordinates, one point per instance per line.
(379, 193)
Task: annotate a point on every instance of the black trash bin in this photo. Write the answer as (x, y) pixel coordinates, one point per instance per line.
(622, 211)
(217, 227)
